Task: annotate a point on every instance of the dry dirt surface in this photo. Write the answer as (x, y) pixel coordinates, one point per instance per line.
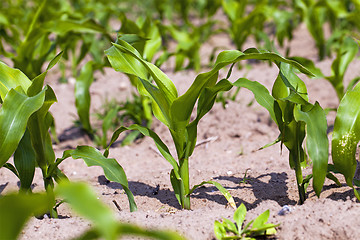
(229, 139)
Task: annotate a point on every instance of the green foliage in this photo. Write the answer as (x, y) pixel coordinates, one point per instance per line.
(243, 24)
(253, 229)
(16, 209)
(92, 157)
(346, 137)
(296, 118)
(24, 133)
(175, 111)
(345, 53)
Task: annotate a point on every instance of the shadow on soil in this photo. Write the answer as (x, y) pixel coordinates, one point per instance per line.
(71, 133)
(274, 189)
(164, 195)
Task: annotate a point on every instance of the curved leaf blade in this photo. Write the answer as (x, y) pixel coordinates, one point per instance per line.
(12, 78)
(84, 201)
(317, 143)
(149, 133)
(261, 94)
(112, 169)
(16, 209)
(25, 160)
(346, 134)
(223, 190)
(82, 95)
(14, 114)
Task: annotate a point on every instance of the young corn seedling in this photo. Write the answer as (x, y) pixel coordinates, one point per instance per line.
(255, 228)
(243, 25)
(297, 119)
(345, 50)
(345, 53)
(175, 111)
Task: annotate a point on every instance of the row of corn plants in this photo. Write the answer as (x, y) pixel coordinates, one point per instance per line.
(25, 102)
(82, 24)
(288, 106)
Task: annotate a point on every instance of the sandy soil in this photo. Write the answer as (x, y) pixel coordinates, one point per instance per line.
(237, 132)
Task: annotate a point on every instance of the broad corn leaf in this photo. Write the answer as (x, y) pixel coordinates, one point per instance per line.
(14, 114)
(82, 95)
(38, 125)
(16, 209)
(205, 103)
(346, 134)
(25, 161)
(12, 78)
(112, 170)
(317, 143)
(85, 202)
(160, 78)
(149, 133)
(261, 94)
(125, 63)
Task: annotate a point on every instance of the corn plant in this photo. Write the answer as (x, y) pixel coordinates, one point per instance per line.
(243, 25)
(253, 229)
(16, 209)
(24, 133)
(297, 119)
(345, 53)
(50, 27)
(188, 40)
(345, 50)
(175, 111)
(346, 137)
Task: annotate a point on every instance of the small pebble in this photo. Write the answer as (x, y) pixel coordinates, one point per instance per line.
(229, 172)
(285, 210)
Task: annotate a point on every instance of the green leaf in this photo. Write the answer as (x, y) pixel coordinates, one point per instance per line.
(112, 170)
(261, 94)
(25, 160)
(130, 54)
(12, 78)
(82, 95)
(223, 190)
(149, 133)
(346, 134)
(205, 103)
(14, 114)
(38, 126)
(309, 65)
(219, 230)
(317, 144)
(239, 215)
(332, 177)
(125, 58)
(84, 201)
(125, 229)
(64, 26)
(16, 209)
(260, 221)
(230, 226)
(126, 63)
(54, 61)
